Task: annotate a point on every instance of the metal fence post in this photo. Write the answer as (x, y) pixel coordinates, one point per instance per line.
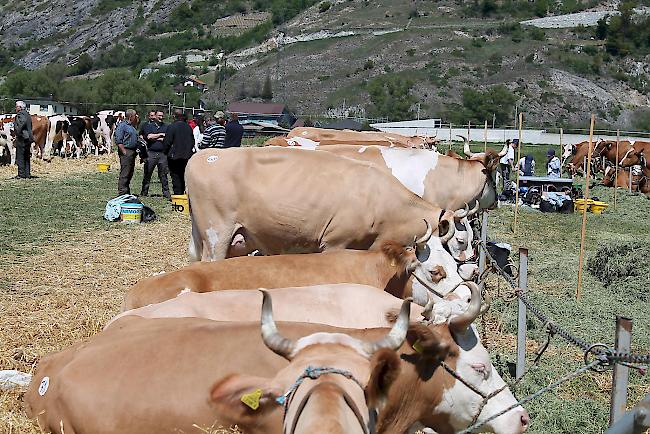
(521, 314)
(630, 187)
(620, 375)
(635, 421)
(481, 252)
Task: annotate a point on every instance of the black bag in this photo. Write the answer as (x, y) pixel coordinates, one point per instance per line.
(567, 207)
(547, 206)
(148, 214)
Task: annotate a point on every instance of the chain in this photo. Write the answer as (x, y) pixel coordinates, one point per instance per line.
(600, 351)
(529, 398)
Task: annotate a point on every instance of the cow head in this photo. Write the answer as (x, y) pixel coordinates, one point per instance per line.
(438, 273)
(633, 157)
(331, 384)
(460, 245)
(490, 161)
(444, 403)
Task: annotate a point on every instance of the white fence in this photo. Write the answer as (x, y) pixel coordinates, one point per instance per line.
(496, 135)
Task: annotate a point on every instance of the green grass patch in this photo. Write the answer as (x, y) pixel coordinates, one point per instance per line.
(39, 212)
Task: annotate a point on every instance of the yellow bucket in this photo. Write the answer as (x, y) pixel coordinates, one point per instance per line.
(180, 203)
(598, 207)
(103, 167)
(579, 204)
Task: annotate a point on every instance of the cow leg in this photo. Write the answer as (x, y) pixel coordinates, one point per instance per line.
(218, 240)
(12, 151)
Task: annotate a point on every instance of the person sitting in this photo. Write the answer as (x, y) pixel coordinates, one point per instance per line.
(526, 166)
(553, 164)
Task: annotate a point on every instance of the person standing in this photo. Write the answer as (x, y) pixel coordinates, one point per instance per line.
(526, 166)
(553, 164)
(24, 140)
(234, 132)
(215, 134)
(179, 147)
(154, 132)
(126, 138)
(506, 163)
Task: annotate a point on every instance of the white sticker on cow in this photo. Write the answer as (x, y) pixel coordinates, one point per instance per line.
(42, 388)
(212, 158)
(410, 166)
(302, 142)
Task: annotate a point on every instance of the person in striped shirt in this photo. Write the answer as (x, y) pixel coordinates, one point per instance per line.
(214, 135)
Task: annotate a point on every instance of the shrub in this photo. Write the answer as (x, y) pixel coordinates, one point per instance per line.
(391, 97)
(324, 6)
(410, 52)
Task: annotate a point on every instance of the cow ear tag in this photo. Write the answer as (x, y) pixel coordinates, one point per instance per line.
(252, 399)
(417, 347)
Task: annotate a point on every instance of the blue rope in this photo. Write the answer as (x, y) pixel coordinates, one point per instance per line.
(312, 373)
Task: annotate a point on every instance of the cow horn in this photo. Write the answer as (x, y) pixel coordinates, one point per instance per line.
(461, 322)
(503, 151)
(462, 213)
(450, 232)
(466, 149)
(397, 334)
(270, 335)
(473, 210)
(424, 238)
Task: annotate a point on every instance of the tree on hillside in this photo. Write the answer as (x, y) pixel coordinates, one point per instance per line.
(479, 106)
(267, 91)
(391, 98)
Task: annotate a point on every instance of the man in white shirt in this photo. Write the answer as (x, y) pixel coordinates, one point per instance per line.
(553, 164)
(506, 163)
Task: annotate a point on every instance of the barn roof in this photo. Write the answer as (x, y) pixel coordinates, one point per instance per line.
(257, 108)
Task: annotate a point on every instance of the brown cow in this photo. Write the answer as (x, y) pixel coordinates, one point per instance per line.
(166, 366)
(391, 269)
(333, 302)
(177, 375)
(637, 154)
(640, 176)
(280, 200)
(309, 136)
(40, 126)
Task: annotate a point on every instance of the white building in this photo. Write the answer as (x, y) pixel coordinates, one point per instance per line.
(45, 107)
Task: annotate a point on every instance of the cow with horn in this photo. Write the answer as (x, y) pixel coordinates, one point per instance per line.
(283, 200)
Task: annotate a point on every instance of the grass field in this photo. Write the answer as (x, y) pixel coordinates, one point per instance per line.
(64, 271)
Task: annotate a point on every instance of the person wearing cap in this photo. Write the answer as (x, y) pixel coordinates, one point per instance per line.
(553, 164)
(214, 135)
(506, 163)
(234, 132)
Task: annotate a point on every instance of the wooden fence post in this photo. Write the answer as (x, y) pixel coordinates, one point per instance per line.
(521, 314)
(514, 226)
(618, 140)
(620, 375)
(583, 232)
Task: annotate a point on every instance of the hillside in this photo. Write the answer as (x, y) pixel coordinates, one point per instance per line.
(380, 59)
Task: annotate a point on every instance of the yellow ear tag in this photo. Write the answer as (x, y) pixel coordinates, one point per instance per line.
(417, 347)
(392, 263)
(252, 399)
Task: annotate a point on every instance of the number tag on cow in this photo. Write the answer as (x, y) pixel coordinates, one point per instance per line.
(252, 399)
(212, 158)
(42, 388)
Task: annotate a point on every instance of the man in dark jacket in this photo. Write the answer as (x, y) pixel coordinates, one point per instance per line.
(179, 147)
(24, 140)
(153, 133)
(126, 139)
(234, 132)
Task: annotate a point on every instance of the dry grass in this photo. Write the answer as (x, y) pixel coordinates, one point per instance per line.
(67, 293)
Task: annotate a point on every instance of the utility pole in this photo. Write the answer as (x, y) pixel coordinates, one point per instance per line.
(418, 111)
